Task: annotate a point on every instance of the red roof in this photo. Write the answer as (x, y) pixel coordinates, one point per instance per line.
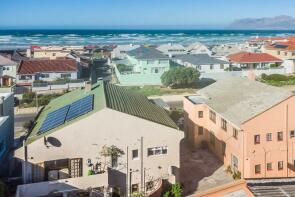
(245, 57)
(291, 38)
(268, 39)
(38, 65)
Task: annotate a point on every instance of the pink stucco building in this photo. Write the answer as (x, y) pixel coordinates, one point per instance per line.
(249, 125)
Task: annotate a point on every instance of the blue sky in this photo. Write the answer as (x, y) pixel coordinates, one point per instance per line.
(136, 13)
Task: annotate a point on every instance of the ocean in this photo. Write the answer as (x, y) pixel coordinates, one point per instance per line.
(11, 39)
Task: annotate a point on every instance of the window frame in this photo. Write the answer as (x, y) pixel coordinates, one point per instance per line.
(137, 157)
(212, 116)
(200, 130)
(267, 137)
(224, 124)
(200, 114)
(257, 169)
(235, 133)
(269, 165)
(280, 136)
(280, 167)
(255, 139)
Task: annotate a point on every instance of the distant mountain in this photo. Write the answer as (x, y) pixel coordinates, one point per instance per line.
(275, 23)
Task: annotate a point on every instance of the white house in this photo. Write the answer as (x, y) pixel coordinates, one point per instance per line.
(71, 133)
(7, 71)
(47, 70)
(202, 62)
(172, 49)
(198, 48)
(121, 50)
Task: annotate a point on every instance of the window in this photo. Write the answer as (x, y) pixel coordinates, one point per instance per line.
(2, 148)
(223, 124)
(269, 166)
(211, 67)
(157, 151)
(280, 165)
(45, 75)
(221, 66)
(53, 54)
(286, 53)
(200, 114)
(293, 53)
(256, 139)
(135, 154)
(292, 134)
(212, 138)
(294, 163)
(68, 75)
(280, 136)
(279, 52)
(200, 130)
(257, 169)
(235, 133)
(268, 137)
(134, 188)
(212, 116)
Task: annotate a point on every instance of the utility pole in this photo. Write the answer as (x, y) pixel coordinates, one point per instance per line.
(141, 164)
(127, 167)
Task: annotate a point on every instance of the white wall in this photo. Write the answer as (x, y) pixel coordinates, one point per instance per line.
(85, 138)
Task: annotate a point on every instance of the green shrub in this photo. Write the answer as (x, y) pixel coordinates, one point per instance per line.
(273, 66)
(123, 68)
(237, 175)
(90, 172)
(228, 169)
(276, 77)
(175, 191)
(180, 77)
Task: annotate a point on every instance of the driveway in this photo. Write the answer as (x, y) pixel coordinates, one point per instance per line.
(201, 170)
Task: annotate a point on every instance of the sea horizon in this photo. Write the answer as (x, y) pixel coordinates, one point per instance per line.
(23, 38)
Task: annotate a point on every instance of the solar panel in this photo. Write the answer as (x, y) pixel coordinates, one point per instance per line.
(54, 119)
(281, 46)
(80, 107)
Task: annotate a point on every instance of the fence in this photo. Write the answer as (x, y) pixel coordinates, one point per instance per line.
(59, 85)
(244, 73)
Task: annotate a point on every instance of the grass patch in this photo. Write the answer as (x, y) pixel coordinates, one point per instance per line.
(159, 91)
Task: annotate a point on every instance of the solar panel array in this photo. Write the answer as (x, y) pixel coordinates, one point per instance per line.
(80, 107)
(67, 113)
(281, 46)
(54, 119)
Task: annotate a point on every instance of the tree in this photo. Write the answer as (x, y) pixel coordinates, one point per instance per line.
(180, 77)
(175, 191)
(111, 151)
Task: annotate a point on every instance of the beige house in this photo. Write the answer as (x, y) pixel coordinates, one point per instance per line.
(247, 124)
(72, 131)
(52, 52)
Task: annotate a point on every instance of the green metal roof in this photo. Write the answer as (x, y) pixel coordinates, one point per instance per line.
(120, 99)
(105, 95)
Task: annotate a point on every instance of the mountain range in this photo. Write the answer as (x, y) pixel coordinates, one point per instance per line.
(274, 23)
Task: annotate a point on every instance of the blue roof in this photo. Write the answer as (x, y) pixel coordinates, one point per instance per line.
(144, 52)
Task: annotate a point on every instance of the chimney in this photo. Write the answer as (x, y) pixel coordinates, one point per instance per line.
(2, 106)
(88, 86)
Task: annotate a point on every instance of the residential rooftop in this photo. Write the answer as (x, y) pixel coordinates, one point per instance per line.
(146, 53)
(5, 61)
(200, 59)
(245, 57)
(105, 96)
(39, 65)
(238, 99)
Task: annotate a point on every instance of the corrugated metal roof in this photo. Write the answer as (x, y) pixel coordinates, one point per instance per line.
(147, 53)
